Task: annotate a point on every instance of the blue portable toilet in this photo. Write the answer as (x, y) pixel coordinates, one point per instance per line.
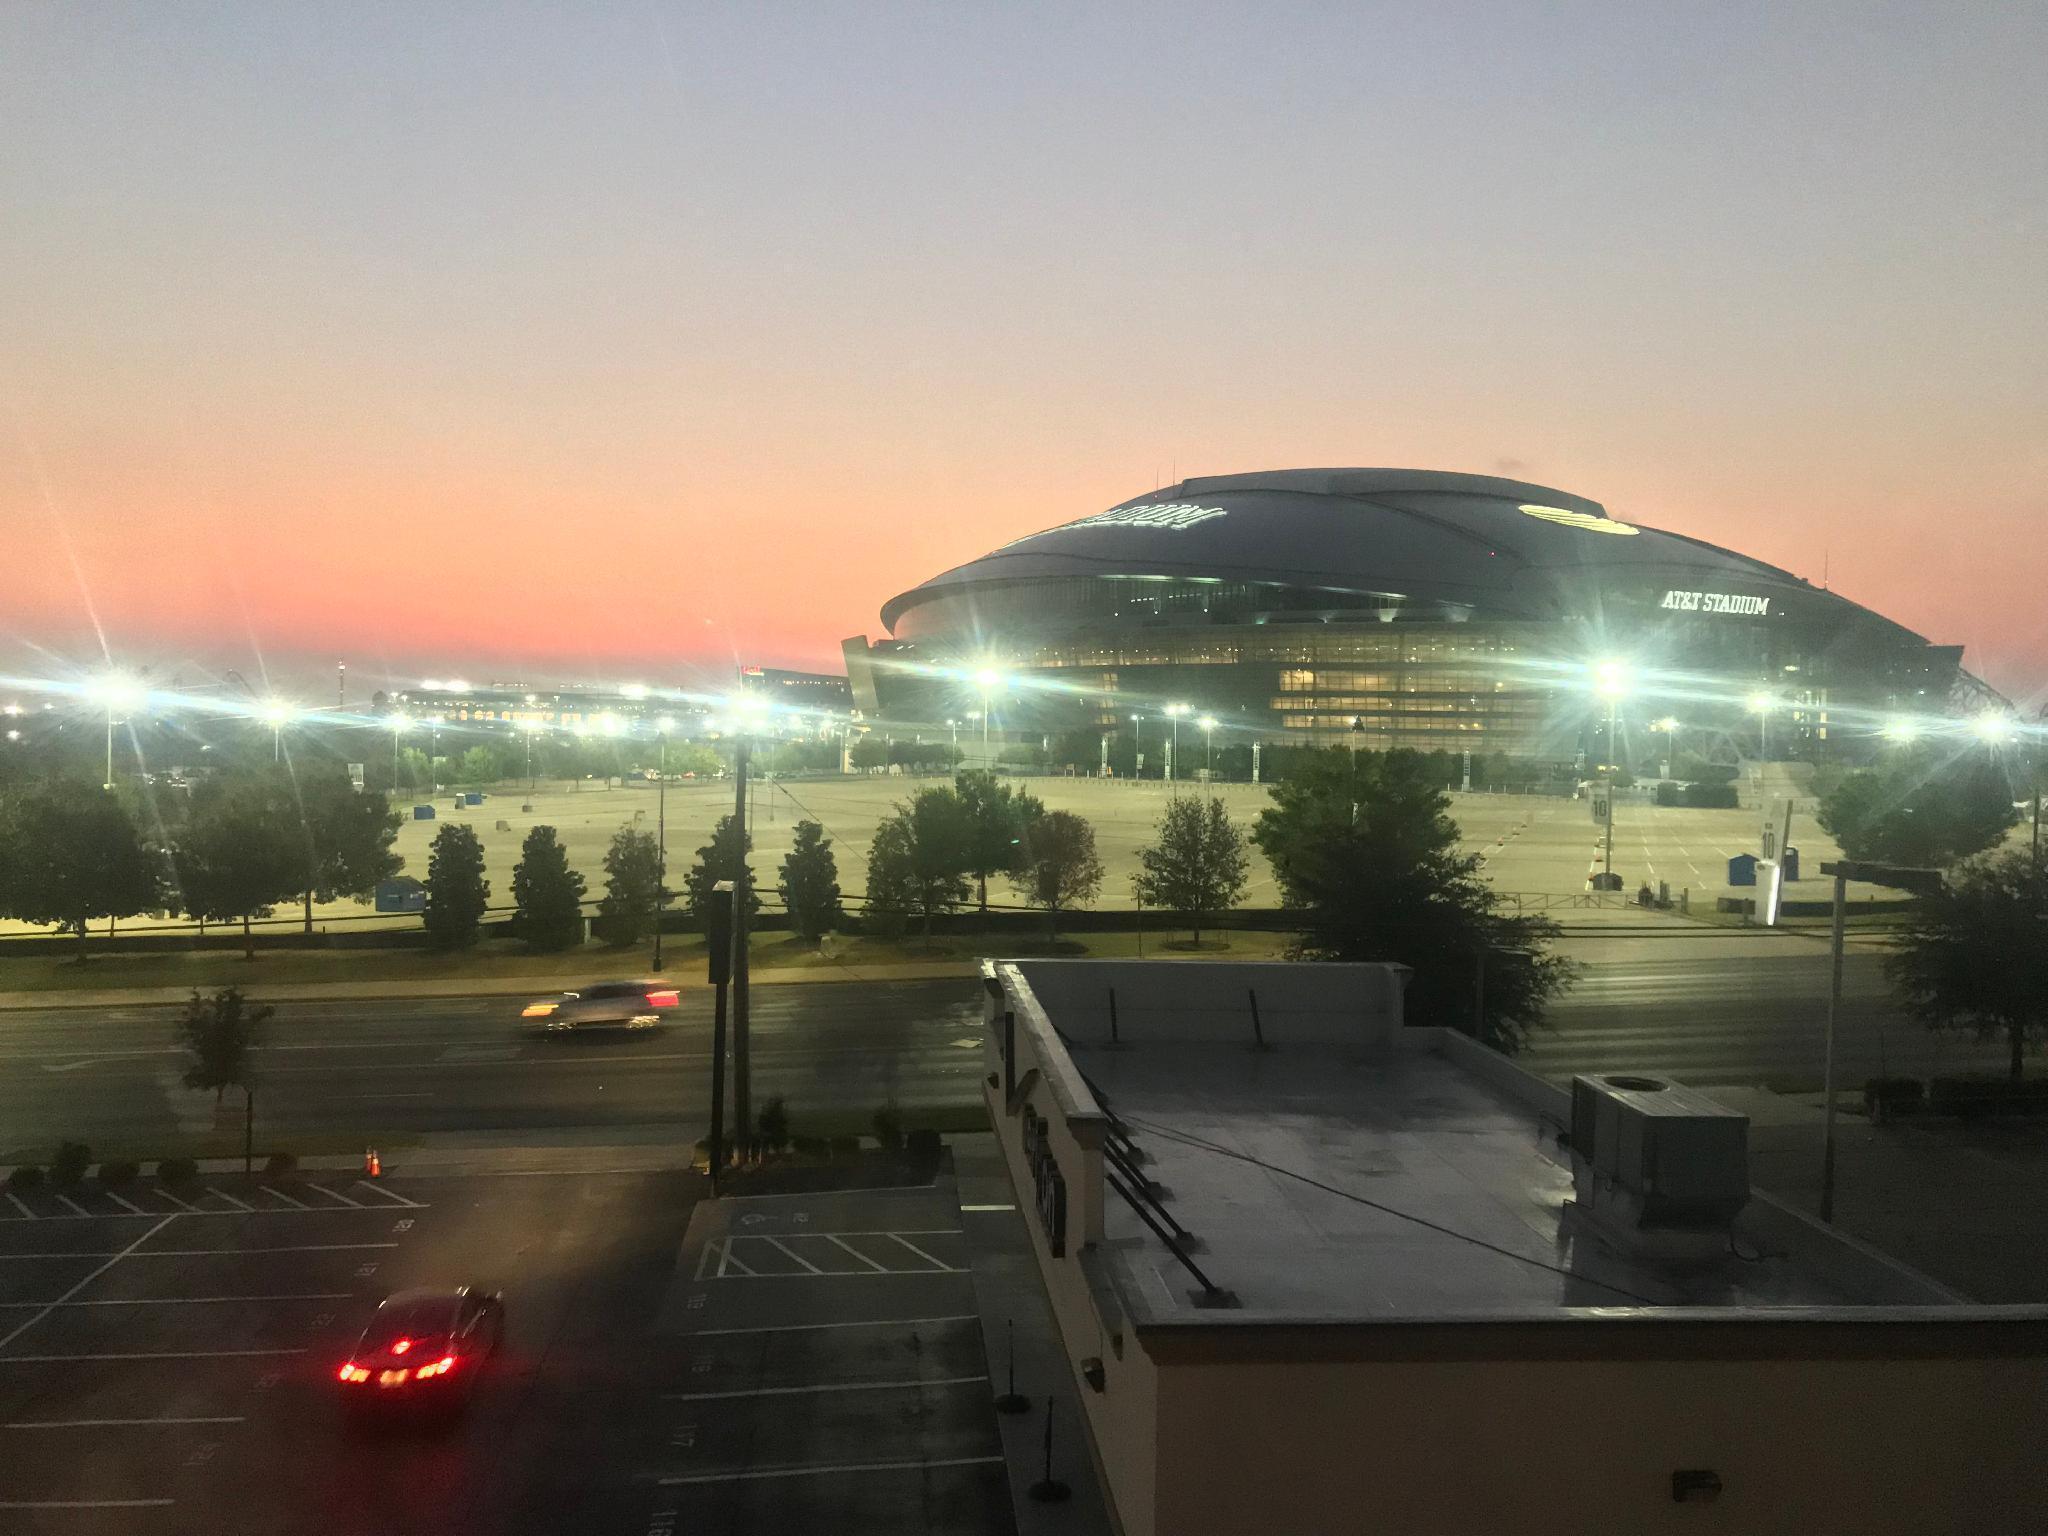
(423, 813)
(472, 798)
(1790, 859)
(401, 894)
(1742, 869)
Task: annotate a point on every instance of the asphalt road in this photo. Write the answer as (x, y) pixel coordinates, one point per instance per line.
(344, 1072)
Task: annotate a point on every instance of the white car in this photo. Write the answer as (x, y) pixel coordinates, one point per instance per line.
(607, 1005)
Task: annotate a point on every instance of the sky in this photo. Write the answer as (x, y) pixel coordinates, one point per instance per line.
(592, 342)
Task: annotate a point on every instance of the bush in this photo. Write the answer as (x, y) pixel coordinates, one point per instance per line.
(888, 1126)
(176, 1170)
(69, 1165)
(1667, 792)
(281, 1165)
(1970, 1096)
(27, 1176)
(771, 1125)
(1884, 1096)
(1711, 797)
(844, 1146)
(923, 1146)
(810, 1146)
(117, 1173)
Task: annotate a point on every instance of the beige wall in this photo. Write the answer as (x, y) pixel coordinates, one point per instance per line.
(1802, 1446)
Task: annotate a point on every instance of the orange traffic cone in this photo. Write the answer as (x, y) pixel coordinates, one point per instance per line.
(373, 1166)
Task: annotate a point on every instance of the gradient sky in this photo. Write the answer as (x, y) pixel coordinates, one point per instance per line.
(591, 342)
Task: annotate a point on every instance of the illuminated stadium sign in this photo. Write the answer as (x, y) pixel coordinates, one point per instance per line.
(1585, 521)
(1174, 516)
(1715, 602)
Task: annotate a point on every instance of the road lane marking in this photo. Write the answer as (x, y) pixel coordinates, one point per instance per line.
(154, 1354)
(117, 1423)
(754, 1475)
(906, 1242)
(815, 1388)
(883, 1322)
(871, 1264)
(188, 1301)
(16, 1333)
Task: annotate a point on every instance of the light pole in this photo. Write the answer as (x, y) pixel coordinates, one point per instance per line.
(1610, 678)
(1173, 713)
(1761, 703)
(531, 728)
(117, 695)
(278, 714)
(661, 727)
(400, 724)
(434, 724)
(988, 680)
(1137, 746)
(954, 727)
(1669, 727)
(1208, 725)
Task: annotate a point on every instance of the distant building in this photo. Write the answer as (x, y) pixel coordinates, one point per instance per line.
(1315, 1271)
(825, 691)
(1394, 608)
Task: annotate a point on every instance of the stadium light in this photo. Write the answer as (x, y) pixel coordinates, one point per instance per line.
(1761, 704)
(277, 714)
(1173, 713)
(1208, 725)
(1992, 727)
(118, 694)
(1610, 679)
(989, 681)
(1668, 725)
(1901, 731)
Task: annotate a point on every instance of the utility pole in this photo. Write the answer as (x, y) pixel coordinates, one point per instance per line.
(720, 957)
(341, 685)
(660, 845)
(742, 1063)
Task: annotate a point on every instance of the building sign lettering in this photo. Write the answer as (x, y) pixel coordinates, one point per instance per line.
(1049, 1185)
(1169, 516)
(1716, 602)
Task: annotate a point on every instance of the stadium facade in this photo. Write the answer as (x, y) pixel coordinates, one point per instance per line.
(1393, 607)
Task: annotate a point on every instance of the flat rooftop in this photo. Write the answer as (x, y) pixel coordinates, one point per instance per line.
(1334, 1182)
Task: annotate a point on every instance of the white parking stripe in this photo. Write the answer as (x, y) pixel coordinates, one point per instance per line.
(231, 1200)
(906, 1242)
(187, 1301)
(88, 1280)
(809, 1391)
(148, 1354)
(988, 1207)
(193, 1253)
(871, 1264)
(379, 1189)
(880, 1322)
(131, 1205)
(31, 1215)
(287, 1199)
(75, 1206)
(85, 1503)
(757, 1474)
(184, 1204)
(784, 1248)
(116, 1423)
(331, 1194)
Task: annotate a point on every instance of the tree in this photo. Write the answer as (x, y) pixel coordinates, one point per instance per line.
(810, 882)
(1921, 808)
(921, 857)
(457, 892)
(632, 888)
(1060, 868)
(997, 814)
(348, 835)
(547, 893)
(219, 1033)
(70, 853)
(723, 858)
(1367, 855)
(242, 852)
(1198, 865)
(1974, 956)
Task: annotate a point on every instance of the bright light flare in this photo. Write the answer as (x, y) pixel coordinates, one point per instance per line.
(1901, 731)
(989, 680)
(1207, 722)
(1176, 710)
(1992, 727)
(278, 713)
(1610, 678)
(1761, 703)
(115, 692)
(1667, 725)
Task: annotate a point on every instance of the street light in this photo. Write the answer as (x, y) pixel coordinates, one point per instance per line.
(1902, 731)
(1610, 681)
(434, 724)
(1137, 746)
(989, 681)
(1208, 725)
(662, 727)
(531, 728)
(1761, 704)
(1173, 713)
(277, 714)
(117, 694)
(400, 724)
(1992, 728)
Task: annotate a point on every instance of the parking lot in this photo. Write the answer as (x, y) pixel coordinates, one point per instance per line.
(167, 1356)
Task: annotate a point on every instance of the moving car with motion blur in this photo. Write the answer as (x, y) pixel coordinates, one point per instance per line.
(606, 1005)
(424, 1349)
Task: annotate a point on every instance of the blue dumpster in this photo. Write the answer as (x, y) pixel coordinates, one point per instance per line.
(472, 798)
(402, 894)
(423, 813)
(1742, 869)
(1791, 863)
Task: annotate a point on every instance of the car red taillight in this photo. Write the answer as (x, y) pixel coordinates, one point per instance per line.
(667, 999)
(350, 1371)
(440, 1367)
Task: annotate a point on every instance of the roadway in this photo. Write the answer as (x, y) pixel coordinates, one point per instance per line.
(335, 1074)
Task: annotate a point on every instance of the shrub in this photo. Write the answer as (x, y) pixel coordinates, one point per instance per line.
(117, 1173)
(923, 1146)
(771, 1125)
(810, 1146)
(888, 1126)
(1711, 797)
(70, 1163)
(177, 1170)
(1893, 1096)
(27, 1176)
(845, 1145)
(281, 1165)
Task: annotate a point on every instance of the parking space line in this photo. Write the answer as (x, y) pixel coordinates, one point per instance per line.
(906, 1242)
(147, 1354)
(287, 1199)
(193, 1253)
(754, 1475)
(354, 1205)
(116, 1423)
(188, 1301)
(784, 1248)
(378, 1189)
(9, 1338)
(988, 1207)
(871, 1264)
(131, 1205)
(85, 1503)
(75, 1206)
(725, 1257)
(19, 1206)
(231, 1200)
(880, 1322)
(816, 1388)
(175, 1200)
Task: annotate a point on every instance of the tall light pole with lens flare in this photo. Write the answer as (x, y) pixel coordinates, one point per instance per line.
(1610, 681)
(988, 680)
(117, 695)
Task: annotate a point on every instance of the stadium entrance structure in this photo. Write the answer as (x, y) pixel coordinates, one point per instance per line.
(1394, 607)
